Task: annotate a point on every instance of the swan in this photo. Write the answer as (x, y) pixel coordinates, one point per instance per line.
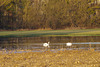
(46, 44)
(68, 44)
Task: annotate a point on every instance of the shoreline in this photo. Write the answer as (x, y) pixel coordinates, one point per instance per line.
(73, 58)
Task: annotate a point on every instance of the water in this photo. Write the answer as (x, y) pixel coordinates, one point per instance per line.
(58, 43)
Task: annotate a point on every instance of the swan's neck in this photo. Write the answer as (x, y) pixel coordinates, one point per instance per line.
(48, 42)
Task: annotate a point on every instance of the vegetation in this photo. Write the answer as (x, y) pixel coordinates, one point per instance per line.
(53, 14)
(79, 32)
(72, 58)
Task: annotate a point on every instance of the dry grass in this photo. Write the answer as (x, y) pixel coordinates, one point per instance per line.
(72, 58)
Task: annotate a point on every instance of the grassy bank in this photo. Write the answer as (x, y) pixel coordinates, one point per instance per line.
(72, 58)
(33, 33)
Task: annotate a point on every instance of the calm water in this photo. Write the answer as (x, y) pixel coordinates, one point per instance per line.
(35, 43)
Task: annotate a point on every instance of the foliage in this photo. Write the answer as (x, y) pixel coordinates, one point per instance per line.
(54, 14)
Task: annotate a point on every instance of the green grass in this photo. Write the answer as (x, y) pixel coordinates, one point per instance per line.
(33, 33)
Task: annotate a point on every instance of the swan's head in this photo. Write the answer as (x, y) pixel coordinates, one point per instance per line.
(48, 42)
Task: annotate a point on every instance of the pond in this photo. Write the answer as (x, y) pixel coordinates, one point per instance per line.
(36, 43)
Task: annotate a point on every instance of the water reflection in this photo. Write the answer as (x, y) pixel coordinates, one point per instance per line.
(55, 42)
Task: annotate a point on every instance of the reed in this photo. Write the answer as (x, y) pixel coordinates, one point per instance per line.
(71, 58)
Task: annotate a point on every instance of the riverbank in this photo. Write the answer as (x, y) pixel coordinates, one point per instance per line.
(34, 33)
(67, 58)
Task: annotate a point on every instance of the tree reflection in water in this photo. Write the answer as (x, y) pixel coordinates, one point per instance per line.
(55, 42)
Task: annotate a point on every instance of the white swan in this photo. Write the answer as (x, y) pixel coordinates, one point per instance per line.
(68, 44)
(46, 44)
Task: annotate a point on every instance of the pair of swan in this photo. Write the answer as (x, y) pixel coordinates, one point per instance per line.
(47, 44)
